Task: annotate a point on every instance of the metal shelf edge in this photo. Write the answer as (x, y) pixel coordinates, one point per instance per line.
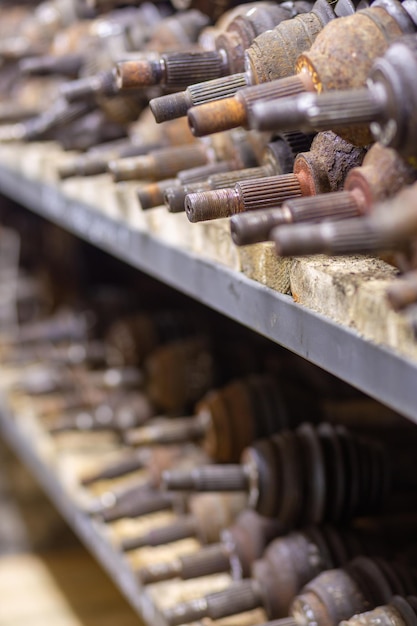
(374, 369)
(111, 561)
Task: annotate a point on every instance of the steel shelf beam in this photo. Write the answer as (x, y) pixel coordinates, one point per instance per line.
(374, 369)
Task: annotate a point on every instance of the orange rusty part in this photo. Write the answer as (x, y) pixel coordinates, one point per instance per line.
(214, 117)
(310, 174)
(134, 74)
(352, 43)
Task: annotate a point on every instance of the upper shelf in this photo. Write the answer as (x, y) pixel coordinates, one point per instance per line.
(374, 369)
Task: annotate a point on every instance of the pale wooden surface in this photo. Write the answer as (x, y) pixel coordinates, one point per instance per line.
(63, 588)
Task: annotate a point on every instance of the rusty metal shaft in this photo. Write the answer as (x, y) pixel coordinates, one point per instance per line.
(388, 228)
(255, 226)
(235, 111)
(247, 195)
(240, 597)
(174, 69)
(176, 105)
(210, 478)
(204, 562)
(318, 112)
(182, 528)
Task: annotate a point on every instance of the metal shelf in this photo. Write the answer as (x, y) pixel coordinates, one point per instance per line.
(87, 529)
(376, 370)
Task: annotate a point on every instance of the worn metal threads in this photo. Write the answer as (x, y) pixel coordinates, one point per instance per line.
(335, 206)
(315, 112)
(219, 89)
(210, 205)
(347, 237)
(240, 597)
(229, 179)
(209, 478)
(184, 68)
(351, 236)
(195, 180)
(321, 111)
(284, 87)
(247, 195)
(210, 560)
(176, 105)
(345, 107)
(268, 192)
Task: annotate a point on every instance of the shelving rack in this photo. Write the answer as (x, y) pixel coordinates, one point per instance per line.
(374, 369)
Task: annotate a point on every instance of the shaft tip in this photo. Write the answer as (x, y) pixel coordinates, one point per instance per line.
(211, 205)
(217, 116)
(169, 107)
(255, 226)
(135, 74)
(174, 199)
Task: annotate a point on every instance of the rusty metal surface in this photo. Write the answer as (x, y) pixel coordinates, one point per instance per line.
(274, 54)
(353, 43)
(325, 166)
(329, 598)
(383, 173)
